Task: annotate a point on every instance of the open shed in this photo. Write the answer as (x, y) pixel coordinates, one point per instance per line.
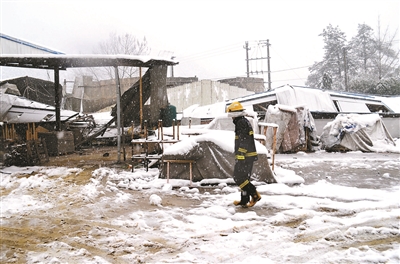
(59, 62)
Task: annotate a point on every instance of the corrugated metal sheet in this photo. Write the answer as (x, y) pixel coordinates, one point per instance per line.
(11, 45)
(15, 109)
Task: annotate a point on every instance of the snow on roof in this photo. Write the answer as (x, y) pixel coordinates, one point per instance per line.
(205, 111)
(48, 61)
(318, 100)
(223, 138)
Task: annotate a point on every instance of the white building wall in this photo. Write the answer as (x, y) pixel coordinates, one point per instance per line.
(204, 92)
(206, 96)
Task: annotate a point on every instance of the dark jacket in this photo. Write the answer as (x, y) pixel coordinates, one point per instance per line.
(245, 148)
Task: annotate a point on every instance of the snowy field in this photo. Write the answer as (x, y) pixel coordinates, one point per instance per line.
(346, 211)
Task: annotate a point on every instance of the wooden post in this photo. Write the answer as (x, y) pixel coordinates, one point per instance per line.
(27, 132)
(177, 128)
(145, 129)
(35, 135)
(167, 172)
(173, 129)
(273, 148)
(13, 132)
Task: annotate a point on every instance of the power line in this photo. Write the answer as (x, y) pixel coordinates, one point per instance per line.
(301, 67)
(213, 52)
(286, 62)
(296, 79)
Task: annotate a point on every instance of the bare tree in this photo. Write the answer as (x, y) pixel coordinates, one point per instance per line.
(386, 59)
(126, 44)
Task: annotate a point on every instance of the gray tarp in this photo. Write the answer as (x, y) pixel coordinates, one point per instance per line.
(213, 162)
(352, 132)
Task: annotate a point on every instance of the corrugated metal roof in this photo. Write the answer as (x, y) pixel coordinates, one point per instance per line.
(28, 44)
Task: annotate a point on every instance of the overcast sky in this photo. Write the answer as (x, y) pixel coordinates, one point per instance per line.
(206, 37)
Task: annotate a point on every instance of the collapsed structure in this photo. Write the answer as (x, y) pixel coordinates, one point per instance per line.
(59, 62)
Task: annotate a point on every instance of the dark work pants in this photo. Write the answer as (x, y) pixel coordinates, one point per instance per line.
(241, 173)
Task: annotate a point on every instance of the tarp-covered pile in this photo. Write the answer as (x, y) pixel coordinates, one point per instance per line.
(296, 129)
(352, 132)
(214, 158)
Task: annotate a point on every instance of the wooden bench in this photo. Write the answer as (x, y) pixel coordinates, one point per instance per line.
(181, 162)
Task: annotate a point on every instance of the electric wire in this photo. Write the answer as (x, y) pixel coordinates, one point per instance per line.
(212, 53)
(254, 46)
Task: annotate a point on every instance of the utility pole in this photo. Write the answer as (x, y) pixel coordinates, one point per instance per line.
(345, 69)
(269, 67)
(265, 43)
(246, 47)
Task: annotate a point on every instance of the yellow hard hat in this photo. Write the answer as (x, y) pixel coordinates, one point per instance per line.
(235, 107)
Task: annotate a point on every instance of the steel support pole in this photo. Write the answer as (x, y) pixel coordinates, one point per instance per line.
(118, 113)
(57, 97)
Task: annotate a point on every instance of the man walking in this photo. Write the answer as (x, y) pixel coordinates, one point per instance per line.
(245, 155)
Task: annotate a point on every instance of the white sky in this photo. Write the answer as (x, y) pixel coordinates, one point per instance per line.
(206, 37)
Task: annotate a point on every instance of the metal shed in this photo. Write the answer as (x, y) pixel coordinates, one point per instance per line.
(59, 62)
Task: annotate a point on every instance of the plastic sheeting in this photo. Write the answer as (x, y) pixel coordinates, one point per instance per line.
(355, 132)
(315, 100)
(212, 161)
(296, 129)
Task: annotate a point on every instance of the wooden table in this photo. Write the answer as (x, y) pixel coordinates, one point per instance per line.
(180, 161)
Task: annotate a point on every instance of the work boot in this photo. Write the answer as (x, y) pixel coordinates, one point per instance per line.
(244, 199)
(244, 205)
(254, 199)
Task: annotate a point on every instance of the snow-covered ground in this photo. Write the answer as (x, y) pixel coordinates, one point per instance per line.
(346, 211)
